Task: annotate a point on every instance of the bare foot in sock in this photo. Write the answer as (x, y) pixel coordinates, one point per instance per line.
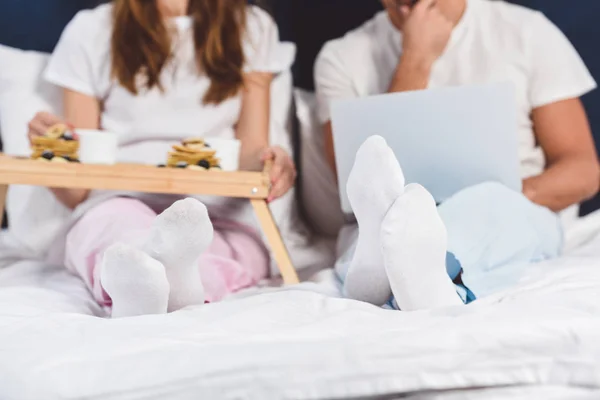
(414, 242)
(375, 182)
(136, 283)
(177, 239)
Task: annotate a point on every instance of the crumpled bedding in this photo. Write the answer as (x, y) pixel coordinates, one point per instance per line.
(304, 342)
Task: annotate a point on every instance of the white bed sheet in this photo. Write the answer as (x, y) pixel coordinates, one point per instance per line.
(302, 344)
(512, 393)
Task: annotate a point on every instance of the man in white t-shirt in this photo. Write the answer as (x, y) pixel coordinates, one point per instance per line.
(457, 42)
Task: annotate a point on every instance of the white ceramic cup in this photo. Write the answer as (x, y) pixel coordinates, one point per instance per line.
(228, 151)
(97, 147)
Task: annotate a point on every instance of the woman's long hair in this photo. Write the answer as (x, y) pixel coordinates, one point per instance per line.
(141, 44)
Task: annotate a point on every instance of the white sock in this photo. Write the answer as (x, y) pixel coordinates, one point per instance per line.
(414, 242)
(136, 283)
(375, 182)
(177, 239)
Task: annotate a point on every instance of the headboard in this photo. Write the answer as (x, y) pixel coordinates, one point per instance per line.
(311, 23)
(37, 25)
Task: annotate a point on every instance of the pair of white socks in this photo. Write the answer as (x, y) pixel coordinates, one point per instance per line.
(163, 274)
(401, 247)
(402, 241)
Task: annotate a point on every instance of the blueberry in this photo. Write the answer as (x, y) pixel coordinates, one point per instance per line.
(182, 164)
(207, 145)
(204, 164)
(48, 155)
(68, 136)
(161, 166)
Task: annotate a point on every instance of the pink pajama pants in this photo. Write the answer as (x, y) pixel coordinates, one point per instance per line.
(236, 259)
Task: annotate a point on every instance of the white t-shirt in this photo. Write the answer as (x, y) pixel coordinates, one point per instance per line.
(148, 123)
(494, 42)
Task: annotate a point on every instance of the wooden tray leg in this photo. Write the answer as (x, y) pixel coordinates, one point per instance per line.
(3, 192)
(280, 253)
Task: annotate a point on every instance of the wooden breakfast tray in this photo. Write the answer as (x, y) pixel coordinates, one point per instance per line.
(253, 186)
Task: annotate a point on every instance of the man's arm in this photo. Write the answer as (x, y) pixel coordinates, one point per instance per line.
(573, 172)
(426, 33)
(411, 74)
(329, 148)
(83, 112)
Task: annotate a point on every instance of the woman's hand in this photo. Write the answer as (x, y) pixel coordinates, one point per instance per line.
(283, 173)
(40, 124)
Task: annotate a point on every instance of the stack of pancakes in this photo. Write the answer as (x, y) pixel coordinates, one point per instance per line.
(193, 154)
(57, 145)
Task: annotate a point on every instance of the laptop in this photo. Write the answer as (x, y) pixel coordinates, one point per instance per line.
(445, 139)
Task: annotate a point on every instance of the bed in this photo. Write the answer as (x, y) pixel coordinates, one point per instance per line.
(537, 340)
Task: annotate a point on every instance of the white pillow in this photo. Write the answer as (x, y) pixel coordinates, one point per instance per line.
(285, 210)
(320, 195)
(22, 94)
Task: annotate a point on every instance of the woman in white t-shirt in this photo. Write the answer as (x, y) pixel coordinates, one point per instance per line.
(155, 73)
(493, 233)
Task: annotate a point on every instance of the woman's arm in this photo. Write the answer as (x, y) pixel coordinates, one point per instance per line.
(253, 131)
(253, 126)
(83, 112)
(572, 174)
(330, 148)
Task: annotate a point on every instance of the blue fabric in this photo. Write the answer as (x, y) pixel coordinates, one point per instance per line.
(494, 233)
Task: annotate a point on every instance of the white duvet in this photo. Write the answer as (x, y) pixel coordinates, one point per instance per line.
(538, 340)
